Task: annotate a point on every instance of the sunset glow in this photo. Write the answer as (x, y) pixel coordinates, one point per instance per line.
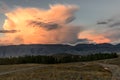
(38, 26)
(94, 38)
(52, 22)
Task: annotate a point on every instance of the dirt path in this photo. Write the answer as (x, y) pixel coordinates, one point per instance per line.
(114, 69)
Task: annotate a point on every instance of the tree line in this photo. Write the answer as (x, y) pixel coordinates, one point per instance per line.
(56, 59)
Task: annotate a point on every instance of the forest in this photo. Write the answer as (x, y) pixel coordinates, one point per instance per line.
(55, 59)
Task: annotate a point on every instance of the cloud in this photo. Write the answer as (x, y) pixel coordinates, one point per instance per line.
(115, 24)
(83, 41)
(111, 29)
(48, 26)
(41, 26)
(113, 34)
(93, 37)
(105, 21)
(70, 19)
(102, 22)
(111, 22)
(3, 7)
(8, 31)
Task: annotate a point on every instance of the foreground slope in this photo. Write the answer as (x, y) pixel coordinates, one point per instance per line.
(108, 69)
(71, 71)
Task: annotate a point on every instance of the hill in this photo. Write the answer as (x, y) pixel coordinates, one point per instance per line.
(39, 49)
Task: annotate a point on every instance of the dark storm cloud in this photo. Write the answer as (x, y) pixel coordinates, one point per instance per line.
(105, 21)
(80, 41)
(48, 26)
(113, 34)
(115, 24)
(102, 22)
(70, 19)
(8, 31)
(83, 41)
(111, 22)
(3, 7)
(111, 28)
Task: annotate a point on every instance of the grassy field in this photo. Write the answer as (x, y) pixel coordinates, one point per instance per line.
(68, 71)
(115, 61)
(6, 68)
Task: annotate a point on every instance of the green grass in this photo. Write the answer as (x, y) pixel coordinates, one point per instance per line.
(68, 71)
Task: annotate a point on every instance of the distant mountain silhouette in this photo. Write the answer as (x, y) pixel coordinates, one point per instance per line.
(48, 49)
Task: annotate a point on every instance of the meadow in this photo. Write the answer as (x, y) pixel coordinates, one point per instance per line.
(67, 71)
(107, 69)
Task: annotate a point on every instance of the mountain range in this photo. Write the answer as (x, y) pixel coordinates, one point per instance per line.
(49, 49)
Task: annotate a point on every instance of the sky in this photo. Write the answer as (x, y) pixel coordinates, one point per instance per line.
(84, 21)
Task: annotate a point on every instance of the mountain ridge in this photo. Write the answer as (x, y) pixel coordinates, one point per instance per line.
(48, 49)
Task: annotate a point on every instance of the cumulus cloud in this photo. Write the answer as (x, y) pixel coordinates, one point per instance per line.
(46, 26)
(94, 37)
(41, 26)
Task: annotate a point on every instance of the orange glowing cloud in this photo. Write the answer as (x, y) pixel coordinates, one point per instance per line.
(41, 26)
(94, 38)
(45, 26)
